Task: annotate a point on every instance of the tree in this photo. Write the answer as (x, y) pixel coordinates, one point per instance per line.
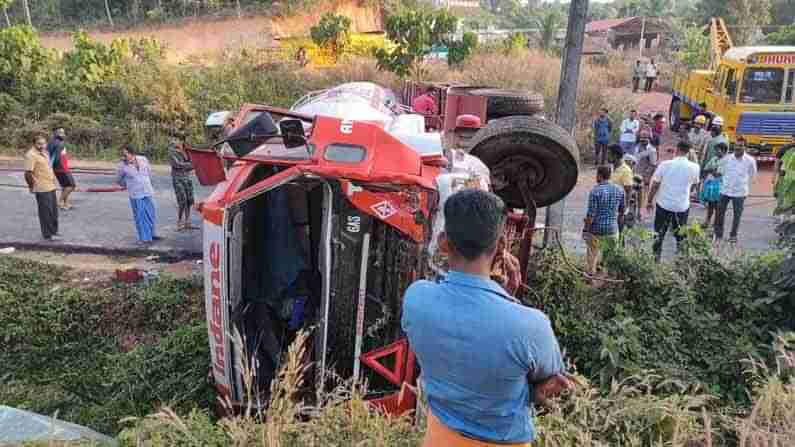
(460, 50)
(784, 36)
(5, 4)
(748, 16)
(548, 24)
(693, 48)
(415, 32)
(332, 33)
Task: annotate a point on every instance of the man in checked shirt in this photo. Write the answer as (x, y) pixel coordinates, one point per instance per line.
(605, 213)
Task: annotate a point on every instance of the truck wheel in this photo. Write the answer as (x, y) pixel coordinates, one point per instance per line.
(502, 103)
(529, 157)
(674, 115)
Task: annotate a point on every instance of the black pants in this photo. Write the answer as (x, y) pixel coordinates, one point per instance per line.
(664, 219)
(635, 84)
(48, 213)
(649, 83)
(738, 204)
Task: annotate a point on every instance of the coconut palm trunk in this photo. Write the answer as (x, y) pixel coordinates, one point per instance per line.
(107, 11)
(27, 12)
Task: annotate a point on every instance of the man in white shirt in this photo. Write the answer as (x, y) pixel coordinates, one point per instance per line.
(651, 75)
(736, 172)
(629, 133)
(672, 180)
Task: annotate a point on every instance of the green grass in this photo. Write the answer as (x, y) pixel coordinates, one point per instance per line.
(96, 355)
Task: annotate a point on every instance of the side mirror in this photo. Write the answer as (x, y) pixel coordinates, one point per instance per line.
(292, 131)
(247, 138)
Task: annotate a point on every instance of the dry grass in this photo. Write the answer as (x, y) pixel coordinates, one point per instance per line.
(600, 85)
(645, 410)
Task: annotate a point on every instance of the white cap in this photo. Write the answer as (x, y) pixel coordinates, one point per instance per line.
(717, 121)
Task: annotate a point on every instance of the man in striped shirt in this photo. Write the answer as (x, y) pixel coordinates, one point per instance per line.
(605, 212)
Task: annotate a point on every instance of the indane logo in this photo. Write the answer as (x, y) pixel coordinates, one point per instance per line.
(216, 327)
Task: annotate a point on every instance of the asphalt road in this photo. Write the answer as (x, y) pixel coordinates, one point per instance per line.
(100, 221)
(103, 221)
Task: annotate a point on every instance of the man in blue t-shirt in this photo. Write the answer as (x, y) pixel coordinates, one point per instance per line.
(485, 359)
(602, 127)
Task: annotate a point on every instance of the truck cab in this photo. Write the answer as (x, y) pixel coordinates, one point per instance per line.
(751, 88)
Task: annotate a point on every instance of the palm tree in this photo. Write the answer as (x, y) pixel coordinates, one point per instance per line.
(27, 12)
(548, 25)
(107, 11)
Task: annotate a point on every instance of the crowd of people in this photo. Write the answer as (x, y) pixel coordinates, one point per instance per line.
(706, 169)
(47, 163)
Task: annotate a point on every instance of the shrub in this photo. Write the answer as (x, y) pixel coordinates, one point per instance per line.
(694, 321)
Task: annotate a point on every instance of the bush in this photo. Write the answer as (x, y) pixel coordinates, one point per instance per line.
(694, 321)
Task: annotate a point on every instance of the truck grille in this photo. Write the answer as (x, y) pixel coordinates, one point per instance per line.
(781, 124)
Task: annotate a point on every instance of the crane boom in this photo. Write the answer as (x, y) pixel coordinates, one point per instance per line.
(721, 41)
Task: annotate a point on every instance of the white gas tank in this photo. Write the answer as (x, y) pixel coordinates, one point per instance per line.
(355, 101)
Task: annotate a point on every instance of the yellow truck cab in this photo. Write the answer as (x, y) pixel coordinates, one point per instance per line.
(750, 87)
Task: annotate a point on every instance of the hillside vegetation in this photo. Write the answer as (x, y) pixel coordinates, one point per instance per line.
(127, 92)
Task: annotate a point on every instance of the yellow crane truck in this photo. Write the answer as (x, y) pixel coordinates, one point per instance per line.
(751, 88)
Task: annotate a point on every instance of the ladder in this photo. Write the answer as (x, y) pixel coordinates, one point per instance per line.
(721, 41)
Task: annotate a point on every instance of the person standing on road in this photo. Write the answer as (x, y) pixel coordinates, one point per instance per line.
(497, 357)
(717, 137)
(657, 130)
(134, 174)
(622, 173)
(629, 133)
(698, 137)
(602, 128)
(181, 168)
(647, 164)
(637, 73)
(651, 75)
(41, 181)
(673, 179)
(60, 165)
(710, 194)
(604, 217)
(737, 172)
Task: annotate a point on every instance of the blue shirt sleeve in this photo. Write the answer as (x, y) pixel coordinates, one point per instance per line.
(541, 351)
(592, 202)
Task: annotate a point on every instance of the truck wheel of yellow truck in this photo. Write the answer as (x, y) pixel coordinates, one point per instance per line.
(673, 115)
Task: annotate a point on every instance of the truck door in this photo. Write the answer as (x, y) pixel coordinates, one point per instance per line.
(235, 281)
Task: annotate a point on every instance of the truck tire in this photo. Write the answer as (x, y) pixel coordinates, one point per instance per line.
(674, 114)
(500, 103)
(531, 151)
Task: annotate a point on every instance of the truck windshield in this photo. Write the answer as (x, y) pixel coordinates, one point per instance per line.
(762, 86)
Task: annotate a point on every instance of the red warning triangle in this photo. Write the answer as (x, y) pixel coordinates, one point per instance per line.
(399, 349)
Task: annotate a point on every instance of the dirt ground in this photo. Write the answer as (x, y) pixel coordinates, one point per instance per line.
(92, 268)
(207, 36)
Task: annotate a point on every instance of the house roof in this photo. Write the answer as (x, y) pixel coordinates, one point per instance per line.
(604, 25)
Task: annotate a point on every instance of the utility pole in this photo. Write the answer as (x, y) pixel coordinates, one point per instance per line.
(566, 110)
(642, 33)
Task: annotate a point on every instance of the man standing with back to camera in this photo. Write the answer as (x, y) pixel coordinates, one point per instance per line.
(485, 360)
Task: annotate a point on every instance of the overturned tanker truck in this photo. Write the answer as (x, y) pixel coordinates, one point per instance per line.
(324, 214)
